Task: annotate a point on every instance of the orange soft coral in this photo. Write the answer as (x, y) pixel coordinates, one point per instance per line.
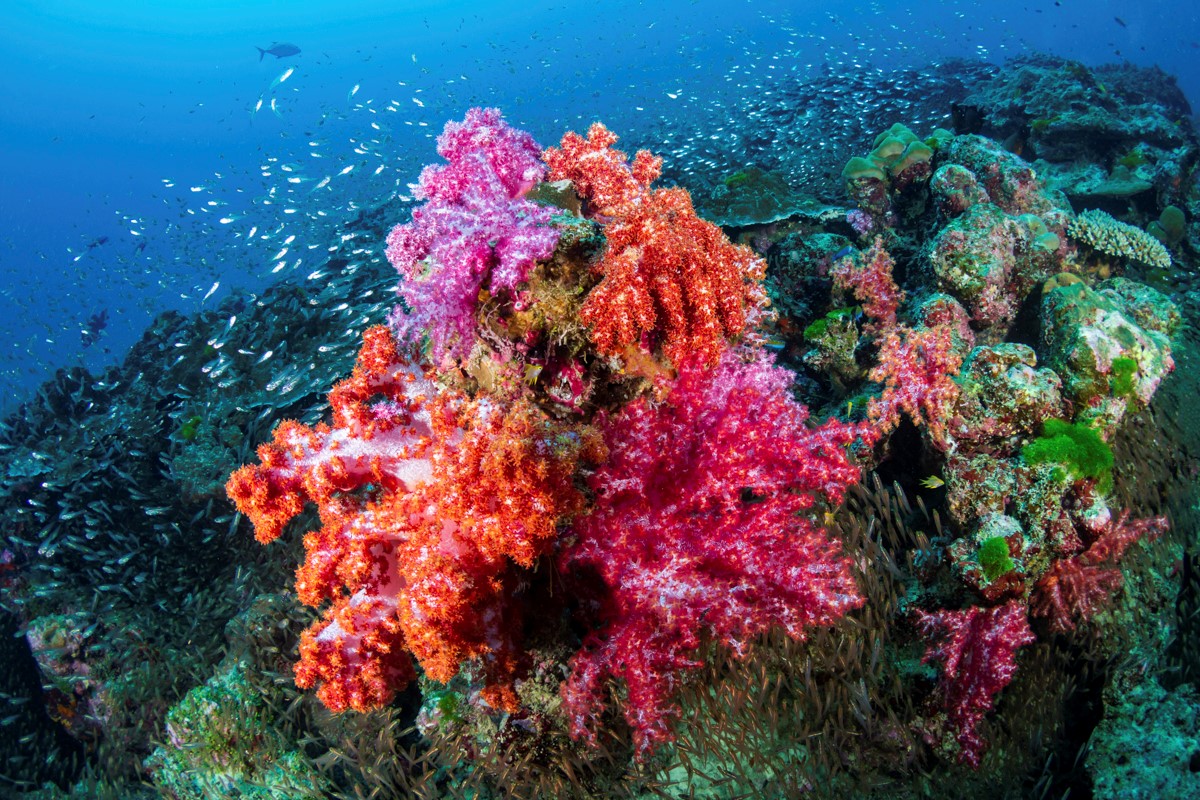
(668, 276)
(428, 502)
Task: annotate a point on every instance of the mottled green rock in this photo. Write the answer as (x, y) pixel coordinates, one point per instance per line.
(1147, 745)
(1003, 398)
(1084, 330)
(221, 743)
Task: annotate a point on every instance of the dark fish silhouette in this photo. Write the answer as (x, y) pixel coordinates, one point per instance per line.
(278, 50)
(91, 331)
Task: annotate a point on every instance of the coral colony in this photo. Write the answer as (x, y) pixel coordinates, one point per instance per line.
(576, 391)
(655, 484)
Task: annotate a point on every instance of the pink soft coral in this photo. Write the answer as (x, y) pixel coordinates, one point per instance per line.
(977, 648)
(699, 531)
(869, 276)
(475, 231)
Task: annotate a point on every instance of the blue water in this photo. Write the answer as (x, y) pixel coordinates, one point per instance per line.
(138, 123)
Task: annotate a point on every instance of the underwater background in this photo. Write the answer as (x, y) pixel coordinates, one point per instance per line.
(943, 542)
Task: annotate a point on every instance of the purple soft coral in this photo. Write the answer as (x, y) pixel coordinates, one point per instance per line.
(474, 231)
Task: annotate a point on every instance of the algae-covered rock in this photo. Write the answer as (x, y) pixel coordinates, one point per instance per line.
(1086, 331)
(221, 743)
(798, 280)
(1003, 399)
(1147, 745)
(1009, 181)
(955, 189)
(975, 259)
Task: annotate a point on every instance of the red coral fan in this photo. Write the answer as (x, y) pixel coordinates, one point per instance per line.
(426, 503)
(977, 649)
(869, 276)
(917, 368)
(1074, 588)
(667, 274)
(698, 531)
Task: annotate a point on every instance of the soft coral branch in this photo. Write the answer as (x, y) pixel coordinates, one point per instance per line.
(428, 503)
(1073, 589)
(667, 275)
(977, 648)
(700, 529)
(475, 231)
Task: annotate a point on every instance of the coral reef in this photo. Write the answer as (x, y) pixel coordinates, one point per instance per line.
(589, 517)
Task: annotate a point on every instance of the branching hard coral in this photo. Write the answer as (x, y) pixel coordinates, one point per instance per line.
(669, 278)
(1098, 230)
(475, 231)
(977, 648)
(700, 531)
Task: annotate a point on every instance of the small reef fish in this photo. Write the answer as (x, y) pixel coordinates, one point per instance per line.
(281, 50)
(933, 482)
(286, 74)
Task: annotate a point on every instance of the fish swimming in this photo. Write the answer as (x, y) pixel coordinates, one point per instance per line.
(278, 50)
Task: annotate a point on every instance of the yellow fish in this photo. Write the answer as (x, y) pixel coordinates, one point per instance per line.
(933, 482)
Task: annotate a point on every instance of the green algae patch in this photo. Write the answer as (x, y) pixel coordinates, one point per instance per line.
(995, 558)
(1077, 448)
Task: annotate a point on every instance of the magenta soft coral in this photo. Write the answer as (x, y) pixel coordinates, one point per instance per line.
(977, 648)
(699, 530)
(475, 231)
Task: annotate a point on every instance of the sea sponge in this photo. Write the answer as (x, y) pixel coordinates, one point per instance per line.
(1100, 231)
(1170, 226)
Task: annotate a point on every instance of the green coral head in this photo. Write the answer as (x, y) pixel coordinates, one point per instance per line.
(939, 138)
(1077, 448)
(859, 168)
(739, 178)
(1170, 226)
(189, 428)
(1122, 377)
(899, 132)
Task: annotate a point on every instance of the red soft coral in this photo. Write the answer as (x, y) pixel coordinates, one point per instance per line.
(1073, 589)
(699, 530)
(667, 275)
(977, 648)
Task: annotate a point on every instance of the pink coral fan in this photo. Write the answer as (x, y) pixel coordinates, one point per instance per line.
(698, 531)
(1073, 589)
(869, 276)
(475, 231)
(667, 275)
(977, 648)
